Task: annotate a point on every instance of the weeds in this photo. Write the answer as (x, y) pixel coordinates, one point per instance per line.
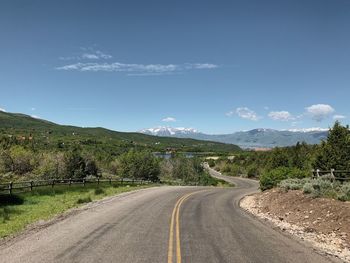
(84, 200)
(320, 187)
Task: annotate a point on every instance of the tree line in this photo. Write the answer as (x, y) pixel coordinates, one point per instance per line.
(297, 161)
(23, 162)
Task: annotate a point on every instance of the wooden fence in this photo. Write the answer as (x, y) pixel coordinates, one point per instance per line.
(26, 186)
(341, 175)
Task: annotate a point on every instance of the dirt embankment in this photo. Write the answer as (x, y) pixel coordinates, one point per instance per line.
(325, 223)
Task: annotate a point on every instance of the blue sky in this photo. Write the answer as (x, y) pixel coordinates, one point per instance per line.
(217, 66)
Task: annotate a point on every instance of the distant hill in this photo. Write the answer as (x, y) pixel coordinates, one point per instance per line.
(45, 133)
(266, 138)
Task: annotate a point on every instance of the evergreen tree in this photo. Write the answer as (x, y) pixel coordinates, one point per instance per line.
(335, 152)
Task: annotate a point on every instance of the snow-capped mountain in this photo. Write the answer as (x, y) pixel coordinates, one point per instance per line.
(248, 139)
(169, 131)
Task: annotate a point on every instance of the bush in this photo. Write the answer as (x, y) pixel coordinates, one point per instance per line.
(139, 165)
(273, 177)
(99, 191)
(307, 188)
(211, 163)
(17, 160)
(84, 200)
(291, 184)
(252, 171)
(344, 194)
(320, 187)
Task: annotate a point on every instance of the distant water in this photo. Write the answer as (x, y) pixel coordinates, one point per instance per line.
(166, 155)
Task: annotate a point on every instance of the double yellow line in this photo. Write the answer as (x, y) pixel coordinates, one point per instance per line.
(175, 221)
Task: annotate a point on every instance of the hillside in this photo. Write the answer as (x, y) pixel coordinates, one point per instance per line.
(44, 133)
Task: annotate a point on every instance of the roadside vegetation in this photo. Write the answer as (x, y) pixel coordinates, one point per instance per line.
(19, 211)
(32, 149)
(291, 167)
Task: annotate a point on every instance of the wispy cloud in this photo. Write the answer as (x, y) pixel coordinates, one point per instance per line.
(244, 113)
(319, 112)
(88, 54)
(96, 55)
(281, 116)
(339, 117)
(169, 119)
(136, 69)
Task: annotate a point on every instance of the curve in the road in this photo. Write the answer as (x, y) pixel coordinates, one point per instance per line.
(134, 228)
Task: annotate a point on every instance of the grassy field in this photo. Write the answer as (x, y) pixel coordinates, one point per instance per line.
(19, 211)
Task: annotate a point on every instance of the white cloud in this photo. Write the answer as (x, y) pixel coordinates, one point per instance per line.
(89, 56)
(2, 109)
(136, 69)
(313, 129)
(89, 53)
(100, 54)
(35, 116)
(281, 116)
(169, 119)
(244, 113)
(319, 112)
(95, 55)
(32, 108)
(202, 66)
(339, 117)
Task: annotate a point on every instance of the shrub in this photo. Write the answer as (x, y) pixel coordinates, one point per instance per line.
(211, 162)
(83, 200)
(291, 184)
(344, 194)
(307, 188)
(99, 191)
(273, 177)
(252, 171)
(139, 165)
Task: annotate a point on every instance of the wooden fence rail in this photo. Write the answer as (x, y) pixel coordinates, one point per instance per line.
(24, 186)
(342, 175)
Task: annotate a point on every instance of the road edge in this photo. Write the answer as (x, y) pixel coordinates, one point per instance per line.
(42, 224)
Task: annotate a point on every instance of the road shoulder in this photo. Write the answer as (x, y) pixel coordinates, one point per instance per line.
(263, 206)
(43, 224)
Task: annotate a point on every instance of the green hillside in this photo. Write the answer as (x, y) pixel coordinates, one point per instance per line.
(45, 134)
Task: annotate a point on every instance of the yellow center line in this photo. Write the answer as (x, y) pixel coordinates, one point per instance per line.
(175, 221)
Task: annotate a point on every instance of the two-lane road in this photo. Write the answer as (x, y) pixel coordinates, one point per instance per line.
(163, 224)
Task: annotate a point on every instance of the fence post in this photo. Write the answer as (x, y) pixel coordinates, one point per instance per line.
(31, 185)
(84, 181)
(122, 181)
(53, 183)
(10, 187)
(110, 180)
(98, 180)
(332, 174)
(70, 181)
(318, 173)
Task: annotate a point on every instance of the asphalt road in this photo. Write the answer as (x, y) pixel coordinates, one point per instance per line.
(164, 224)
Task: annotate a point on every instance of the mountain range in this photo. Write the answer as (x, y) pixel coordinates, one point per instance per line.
(48, 134)
(256, 138)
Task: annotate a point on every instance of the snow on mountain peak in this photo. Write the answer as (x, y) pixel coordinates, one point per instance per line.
(163, 131)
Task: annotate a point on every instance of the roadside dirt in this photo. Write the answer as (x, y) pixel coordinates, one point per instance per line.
(325, 223)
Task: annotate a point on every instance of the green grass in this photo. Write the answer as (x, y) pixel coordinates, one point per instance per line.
(19, 211)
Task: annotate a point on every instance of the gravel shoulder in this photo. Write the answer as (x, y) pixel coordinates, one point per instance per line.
(323, 223)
